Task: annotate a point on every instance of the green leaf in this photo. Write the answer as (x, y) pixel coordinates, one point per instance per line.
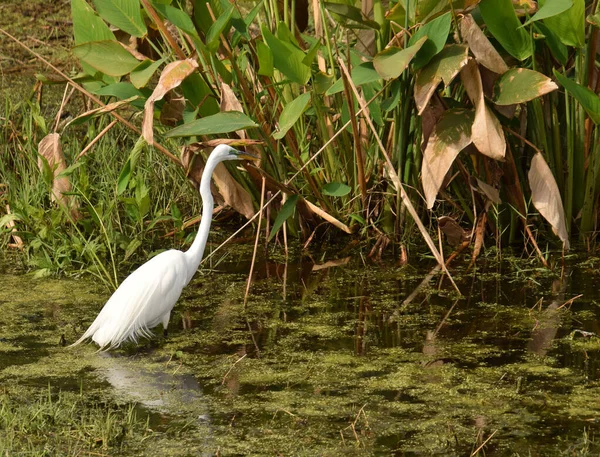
(503, 23)
(570, 25)
(287, 58)
(176, 17)
(594, 19)
(109, 57)
(265, 59)
(362, 74)
(291, 113)
(8, 218)
(225, 122)
(129, 167)
(352, 13)
(392, 61)
(124, 178)
(144, 71)
(87, 25)
(200, 94)
(519, 85)
(550, 8)
(336, 189)
(284, 214)
(436, 32)
(322, 82)
(124, 91)
(557, 48)
(588, 99)
(124, 14)
(218, 27)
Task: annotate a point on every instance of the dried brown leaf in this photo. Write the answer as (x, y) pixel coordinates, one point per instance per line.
(171, 112)
(486, 133)
(443, 67)
(170, 78)
(455, 234)
(232, 192)
(229, 102)
(545, 196)
(450, 136)
(50, 149)
(328, 217)
(104, 109)
(429, 118)
(18, 241)
(480, 46)
(490, 192)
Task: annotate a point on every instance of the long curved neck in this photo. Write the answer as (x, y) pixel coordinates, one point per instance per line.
(194, 253)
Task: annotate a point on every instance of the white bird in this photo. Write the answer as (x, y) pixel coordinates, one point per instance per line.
(147, 296)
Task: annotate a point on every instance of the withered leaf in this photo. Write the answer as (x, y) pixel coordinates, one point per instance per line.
(545, 196)
(450, 136)
(171, 77)
(486, 133)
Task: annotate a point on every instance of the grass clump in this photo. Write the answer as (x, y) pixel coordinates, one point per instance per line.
(65, 424)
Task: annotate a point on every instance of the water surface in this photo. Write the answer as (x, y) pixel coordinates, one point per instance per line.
(330, 358)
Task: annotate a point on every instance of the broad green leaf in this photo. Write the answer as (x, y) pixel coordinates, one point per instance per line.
(557, 48)
(291, 113)
(312, 53)
(436, 32)
(362, 74)
(215, 31)
(322, 82)
(265, 59)
(109, 57)
(443, 67)
(451, 135)
(519, 85)
(124, 91)
(369, 91)
(199, 94)
(87, 25)
(287, 58)
(144, 71)
(398, 14)
(176, 17)
(588, 99)
(351, 13)
(285, 213)
(570, 25)
(548, 9)
(225, 122)
(124, 14)
(503, 23)
(392, 61)
(336, 189)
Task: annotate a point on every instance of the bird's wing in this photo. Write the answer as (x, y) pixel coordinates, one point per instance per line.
(150, 290)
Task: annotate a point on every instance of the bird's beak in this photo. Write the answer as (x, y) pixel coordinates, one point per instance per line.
(247, 155)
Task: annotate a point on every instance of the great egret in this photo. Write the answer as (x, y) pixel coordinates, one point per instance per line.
(147, 296)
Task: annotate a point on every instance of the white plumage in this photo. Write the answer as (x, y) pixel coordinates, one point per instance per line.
(147, 296)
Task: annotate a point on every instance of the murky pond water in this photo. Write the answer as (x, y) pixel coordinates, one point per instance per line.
(335, 357)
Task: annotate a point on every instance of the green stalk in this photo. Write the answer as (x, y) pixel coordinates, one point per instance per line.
(570, 152)
(588, 215)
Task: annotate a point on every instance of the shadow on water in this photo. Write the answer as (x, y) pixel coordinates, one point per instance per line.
(340, 358)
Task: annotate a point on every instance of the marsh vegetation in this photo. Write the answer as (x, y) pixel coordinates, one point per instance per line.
(391, 134)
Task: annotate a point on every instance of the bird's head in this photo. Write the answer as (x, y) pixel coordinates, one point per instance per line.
(225, 152)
